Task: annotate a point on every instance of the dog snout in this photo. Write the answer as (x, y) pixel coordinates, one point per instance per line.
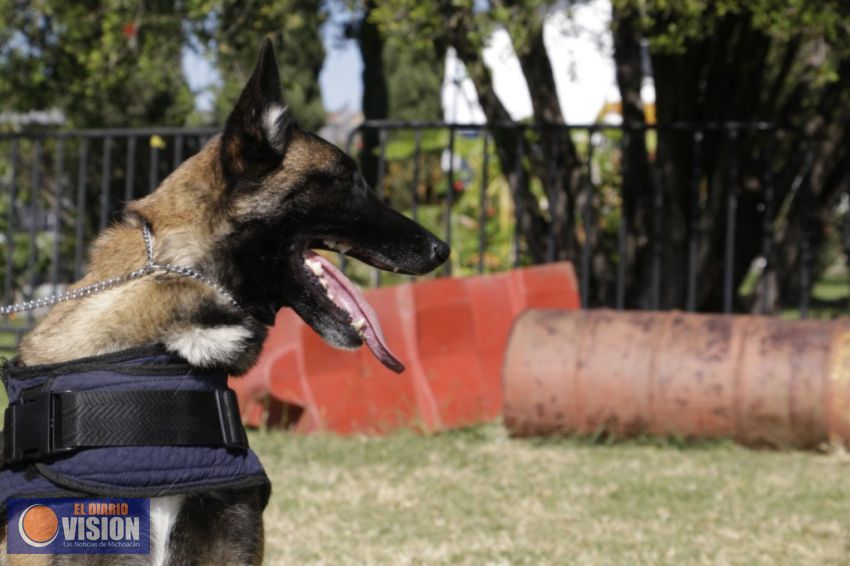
(440, 251)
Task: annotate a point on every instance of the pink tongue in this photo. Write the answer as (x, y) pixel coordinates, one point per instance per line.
(348, 298)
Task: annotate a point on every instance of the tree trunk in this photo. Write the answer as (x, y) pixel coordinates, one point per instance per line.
(740, 74)
(531, 226)
(637, 185)
(375, 98)
(816, 164)
(560, 170)
(713, 80)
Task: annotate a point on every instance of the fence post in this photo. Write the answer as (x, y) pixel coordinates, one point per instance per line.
(622, 230)
(81, 206)
(767, 225)
(587, 222)
(450, 197)
(482, 204)
(694, 222)
(57, 212)
(731, 212)
(105, 180)
(10, 223)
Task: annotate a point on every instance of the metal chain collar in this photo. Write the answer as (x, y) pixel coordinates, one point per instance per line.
(149, 268)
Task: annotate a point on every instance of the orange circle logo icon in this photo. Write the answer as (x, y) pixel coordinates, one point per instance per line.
(38, 525)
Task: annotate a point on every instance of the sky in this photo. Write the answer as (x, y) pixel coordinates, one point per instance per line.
(581, 53)
(339, 79)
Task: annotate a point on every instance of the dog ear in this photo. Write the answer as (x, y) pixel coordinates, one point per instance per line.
(257, 131)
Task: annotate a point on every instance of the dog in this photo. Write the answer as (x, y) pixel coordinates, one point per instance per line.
(245, 215)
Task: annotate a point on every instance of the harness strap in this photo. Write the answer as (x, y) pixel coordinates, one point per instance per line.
(51, 423)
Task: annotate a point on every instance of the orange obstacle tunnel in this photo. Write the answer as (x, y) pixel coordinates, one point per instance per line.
(759, 380)
(450, 333)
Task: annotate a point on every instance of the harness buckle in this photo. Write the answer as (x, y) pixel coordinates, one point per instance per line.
(29, 431)
(232, 432)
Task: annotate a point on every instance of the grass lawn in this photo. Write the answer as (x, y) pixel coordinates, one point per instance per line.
(477, 497)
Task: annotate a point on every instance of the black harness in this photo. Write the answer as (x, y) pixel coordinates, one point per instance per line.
(137, 423)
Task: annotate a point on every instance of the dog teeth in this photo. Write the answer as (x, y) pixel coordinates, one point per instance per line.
(359, 324)
(336, 246)
(315, 266)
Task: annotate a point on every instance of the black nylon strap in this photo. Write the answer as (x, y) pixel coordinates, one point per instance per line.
(52, 423)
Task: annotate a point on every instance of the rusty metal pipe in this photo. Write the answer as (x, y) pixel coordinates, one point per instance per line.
(759, 380)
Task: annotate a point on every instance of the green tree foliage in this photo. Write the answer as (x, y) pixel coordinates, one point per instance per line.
(672, 26)
(465, 26)
(786, 62)
(232, 31)
(402, 79)
(102, 62)
(783, 62)
(414, 80)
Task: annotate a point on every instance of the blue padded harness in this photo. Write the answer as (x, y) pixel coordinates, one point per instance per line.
(127, 470)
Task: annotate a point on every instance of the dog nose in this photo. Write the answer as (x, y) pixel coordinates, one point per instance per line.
(440, 251)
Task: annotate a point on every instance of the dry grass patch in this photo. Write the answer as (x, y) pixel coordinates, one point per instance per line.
(478, 497)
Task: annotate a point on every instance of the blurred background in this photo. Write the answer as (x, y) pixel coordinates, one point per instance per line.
(682, 156)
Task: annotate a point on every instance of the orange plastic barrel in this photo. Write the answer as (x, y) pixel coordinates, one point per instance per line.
(759, 380)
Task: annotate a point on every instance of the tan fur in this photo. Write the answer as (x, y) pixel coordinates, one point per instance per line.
(186, 217)
(304, 154)
(21, 559)
(29, 560)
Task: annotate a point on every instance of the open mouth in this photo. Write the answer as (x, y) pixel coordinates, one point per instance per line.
(330, 284)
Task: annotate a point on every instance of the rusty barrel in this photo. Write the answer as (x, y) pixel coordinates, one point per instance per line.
(760, 380)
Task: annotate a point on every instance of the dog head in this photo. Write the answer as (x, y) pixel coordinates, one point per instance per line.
(288, 192)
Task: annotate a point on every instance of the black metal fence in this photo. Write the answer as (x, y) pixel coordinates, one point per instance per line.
(58, 189)
(711, 169)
